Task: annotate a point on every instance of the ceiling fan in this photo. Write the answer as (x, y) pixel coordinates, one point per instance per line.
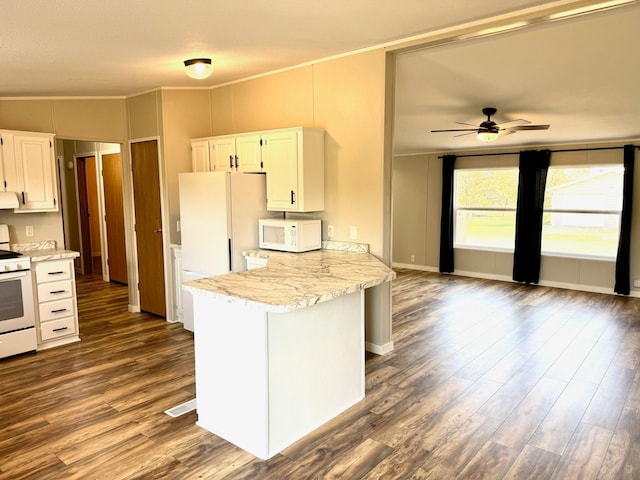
(489, 130)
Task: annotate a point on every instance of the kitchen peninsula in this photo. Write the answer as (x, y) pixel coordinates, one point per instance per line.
(279, 350)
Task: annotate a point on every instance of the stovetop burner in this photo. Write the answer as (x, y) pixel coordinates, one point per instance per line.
(5, 254)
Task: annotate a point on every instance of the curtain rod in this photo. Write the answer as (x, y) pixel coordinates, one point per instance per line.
(552, 151)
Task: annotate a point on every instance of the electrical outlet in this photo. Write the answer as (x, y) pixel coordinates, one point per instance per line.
(29, 231)
(353, 232)
(330, 231)
(636, 283)
(413, 259)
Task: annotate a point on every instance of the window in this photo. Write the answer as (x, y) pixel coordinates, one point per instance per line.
(485, 208)
(581, 211)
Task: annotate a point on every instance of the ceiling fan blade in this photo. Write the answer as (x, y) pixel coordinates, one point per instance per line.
(528, 127)
(520, 120)
(457, 130)
(470, 124)
(464, 134)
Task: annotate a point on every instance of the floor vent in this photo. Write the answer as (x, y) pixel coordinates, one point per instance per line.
(181, 409)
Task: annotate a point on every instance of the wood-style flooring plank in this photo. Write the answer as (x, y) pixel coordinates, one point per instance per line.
(555, 431)
(584, 454)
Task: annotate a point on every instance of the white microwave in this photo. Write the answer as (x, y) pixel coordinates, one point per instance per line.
(288, 235)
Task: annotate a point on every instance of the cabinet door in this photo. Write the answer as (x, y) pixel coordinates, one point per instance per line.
(280, 153)
(223, 154)
(36, 173)
(249, 153)
(9, 167)
(200, 161)
(3, 182)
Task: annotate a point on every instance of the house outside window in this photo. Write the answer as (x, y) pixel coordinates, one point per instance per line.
(581, 212)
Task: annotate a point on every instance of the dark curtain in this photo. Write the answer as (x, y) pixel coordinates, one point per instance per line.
(532, 179)
(624, 244)
(446, 219)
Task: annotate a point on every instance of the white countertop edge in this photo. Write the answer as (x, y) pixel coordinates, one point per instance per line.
(194, 288)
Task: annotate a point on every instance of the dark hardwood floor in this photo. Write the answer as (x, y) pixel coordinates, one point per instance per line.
(487, 380)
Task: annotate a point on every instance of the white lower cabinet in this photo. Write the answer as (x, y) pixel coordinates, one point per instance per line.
(57, 317)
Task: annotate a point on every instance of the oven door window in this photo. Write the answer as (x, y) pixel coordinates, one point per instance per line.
(11, 299)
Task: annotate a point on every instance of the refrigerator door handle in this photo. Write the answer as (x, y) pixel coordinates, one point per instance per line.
(229, 269)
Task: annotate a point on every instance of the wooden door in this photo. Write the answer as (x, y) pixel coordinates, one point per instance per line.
(114, 217)
(146, 193)
(86, 264)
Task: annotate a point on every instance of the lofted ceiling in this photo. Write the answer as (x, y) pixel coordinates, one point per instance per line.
(579, 75)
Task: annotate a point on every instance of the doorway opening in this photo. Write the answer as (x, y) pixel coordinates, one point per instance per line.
(93, 210)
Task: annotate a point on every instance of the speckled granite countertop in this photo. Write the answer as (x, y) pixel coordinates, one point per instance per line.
(43, 251)
(291, 281)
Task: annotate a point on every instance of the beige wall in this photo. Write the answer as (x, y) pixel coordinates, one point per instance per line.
(416, 222)
(185, 115)
(144, 115)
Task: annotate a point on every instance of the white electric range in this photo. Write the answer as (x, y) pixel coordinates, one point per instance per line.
(17, 314)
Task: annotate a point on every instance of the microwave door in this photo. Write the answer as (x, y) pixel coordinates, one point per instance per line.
(273, 234)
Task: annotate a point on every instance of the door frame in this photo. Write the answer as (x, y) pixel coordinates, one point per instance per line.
(79, 179)
(97, 154)
(165, 221)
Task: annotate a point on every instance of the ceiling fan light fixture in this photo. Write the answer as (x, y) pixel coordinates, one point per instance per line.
(487, 136)
(198, 68)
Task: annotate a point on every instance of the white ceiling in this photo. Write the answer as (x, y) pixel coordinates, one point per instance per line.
(570, 74)
(581, 76)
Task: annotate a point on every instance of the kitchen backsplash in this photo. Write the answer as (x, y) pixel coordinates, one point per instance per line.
(25, 247)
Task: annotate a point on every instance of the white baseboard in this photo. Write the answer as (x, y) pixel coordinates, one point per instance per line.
(505, 278)
(134, 309)
(378, 349)
(413, 266)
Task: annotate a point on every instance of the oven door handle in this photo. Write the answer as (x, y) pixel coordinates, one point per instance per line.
(5, 276)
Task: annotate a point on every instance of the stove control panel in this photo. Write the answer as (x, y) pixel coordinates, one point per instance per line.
(15, 264)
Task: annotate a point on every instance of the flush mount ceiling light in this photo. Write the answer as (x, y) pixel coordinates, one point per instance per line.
(198, 68)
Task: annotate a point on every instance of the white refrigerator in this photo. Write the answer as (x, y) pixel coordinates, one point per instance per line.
(219, 213)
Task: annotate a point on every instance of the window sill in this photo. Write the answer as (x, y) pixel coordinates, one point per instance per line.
(596, 258)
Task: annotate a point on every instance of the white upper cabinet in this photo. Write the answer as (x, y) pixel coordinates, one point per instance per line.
(227, 153)
(28, 163)
(294, 163)
(292, 158)
(249, 153)
(200, 159)
(222, 151)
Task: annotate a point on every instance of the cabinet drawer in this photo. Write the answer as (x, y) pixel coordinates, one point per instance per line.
(57, 309)
(58, 328)
(55, 290)
(53, 271)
